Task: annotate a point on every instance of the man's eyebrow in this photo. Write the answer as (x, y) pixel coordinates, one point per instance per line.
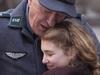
(46, 9)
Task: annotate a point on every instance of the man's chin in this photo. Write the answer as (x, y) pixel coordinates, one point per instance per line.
(39, 33)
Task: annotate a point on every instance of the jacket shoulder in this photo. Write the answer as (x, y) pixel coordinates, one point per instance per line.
(5, 17)
(6, 14)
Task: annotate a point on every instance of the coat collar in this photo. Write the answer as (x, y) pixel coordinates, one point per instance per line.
(17, 19)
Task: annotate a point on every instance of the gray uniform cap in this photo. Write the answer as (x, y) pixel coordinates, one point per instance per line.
(64, 6)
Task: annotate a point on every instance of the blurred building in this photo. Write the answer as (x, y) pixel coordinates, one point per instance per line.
(91, 9)
(3, 5)
(6, 4)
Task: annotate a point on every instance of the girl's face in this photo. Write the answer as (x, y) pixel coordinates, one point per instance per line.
(54, 56)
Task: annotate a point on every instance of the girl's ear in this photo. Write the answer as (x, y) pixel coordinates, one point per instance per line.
(72, 54)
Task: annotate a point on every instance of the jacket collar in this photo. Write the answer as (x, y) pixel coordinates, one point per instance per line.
(17, 19)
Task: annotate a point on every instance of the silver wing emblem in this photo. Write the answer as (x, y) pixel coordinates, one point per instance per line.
(15, 55)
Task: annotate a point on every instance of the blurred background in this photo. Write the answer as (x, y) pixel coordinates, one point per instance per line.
(90, 8)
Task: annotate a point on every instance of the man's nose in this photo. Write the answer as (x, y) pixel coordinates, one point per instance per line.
(51, 19)
(44, 60)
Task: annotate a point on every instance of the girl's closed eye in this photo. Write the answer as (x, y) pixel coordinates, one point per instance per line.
(49, 53)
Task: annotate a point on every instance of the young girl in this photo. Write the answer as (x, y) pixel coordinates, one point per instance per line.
(69, 50)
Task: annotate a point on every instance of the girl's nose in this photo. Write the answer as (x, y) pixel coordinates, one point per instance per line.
(44, 60)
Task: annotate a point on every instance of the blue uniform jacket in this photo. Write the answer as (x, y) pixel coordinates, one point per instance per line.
(20, 52)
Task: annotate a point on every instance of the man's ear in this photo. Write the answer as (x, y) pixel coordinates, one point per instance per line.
(29, 2)
(33, 2)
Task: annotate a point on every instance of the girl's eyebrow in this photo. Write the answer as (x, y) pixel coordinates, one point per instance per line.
(48, 51)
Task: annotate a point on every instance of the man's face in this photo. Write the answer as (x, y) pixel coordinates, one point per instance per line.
(53, 56)
(41, 19)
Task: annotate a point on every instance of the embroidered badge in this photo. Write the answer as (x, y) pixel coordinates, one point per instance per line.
(16, 21)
